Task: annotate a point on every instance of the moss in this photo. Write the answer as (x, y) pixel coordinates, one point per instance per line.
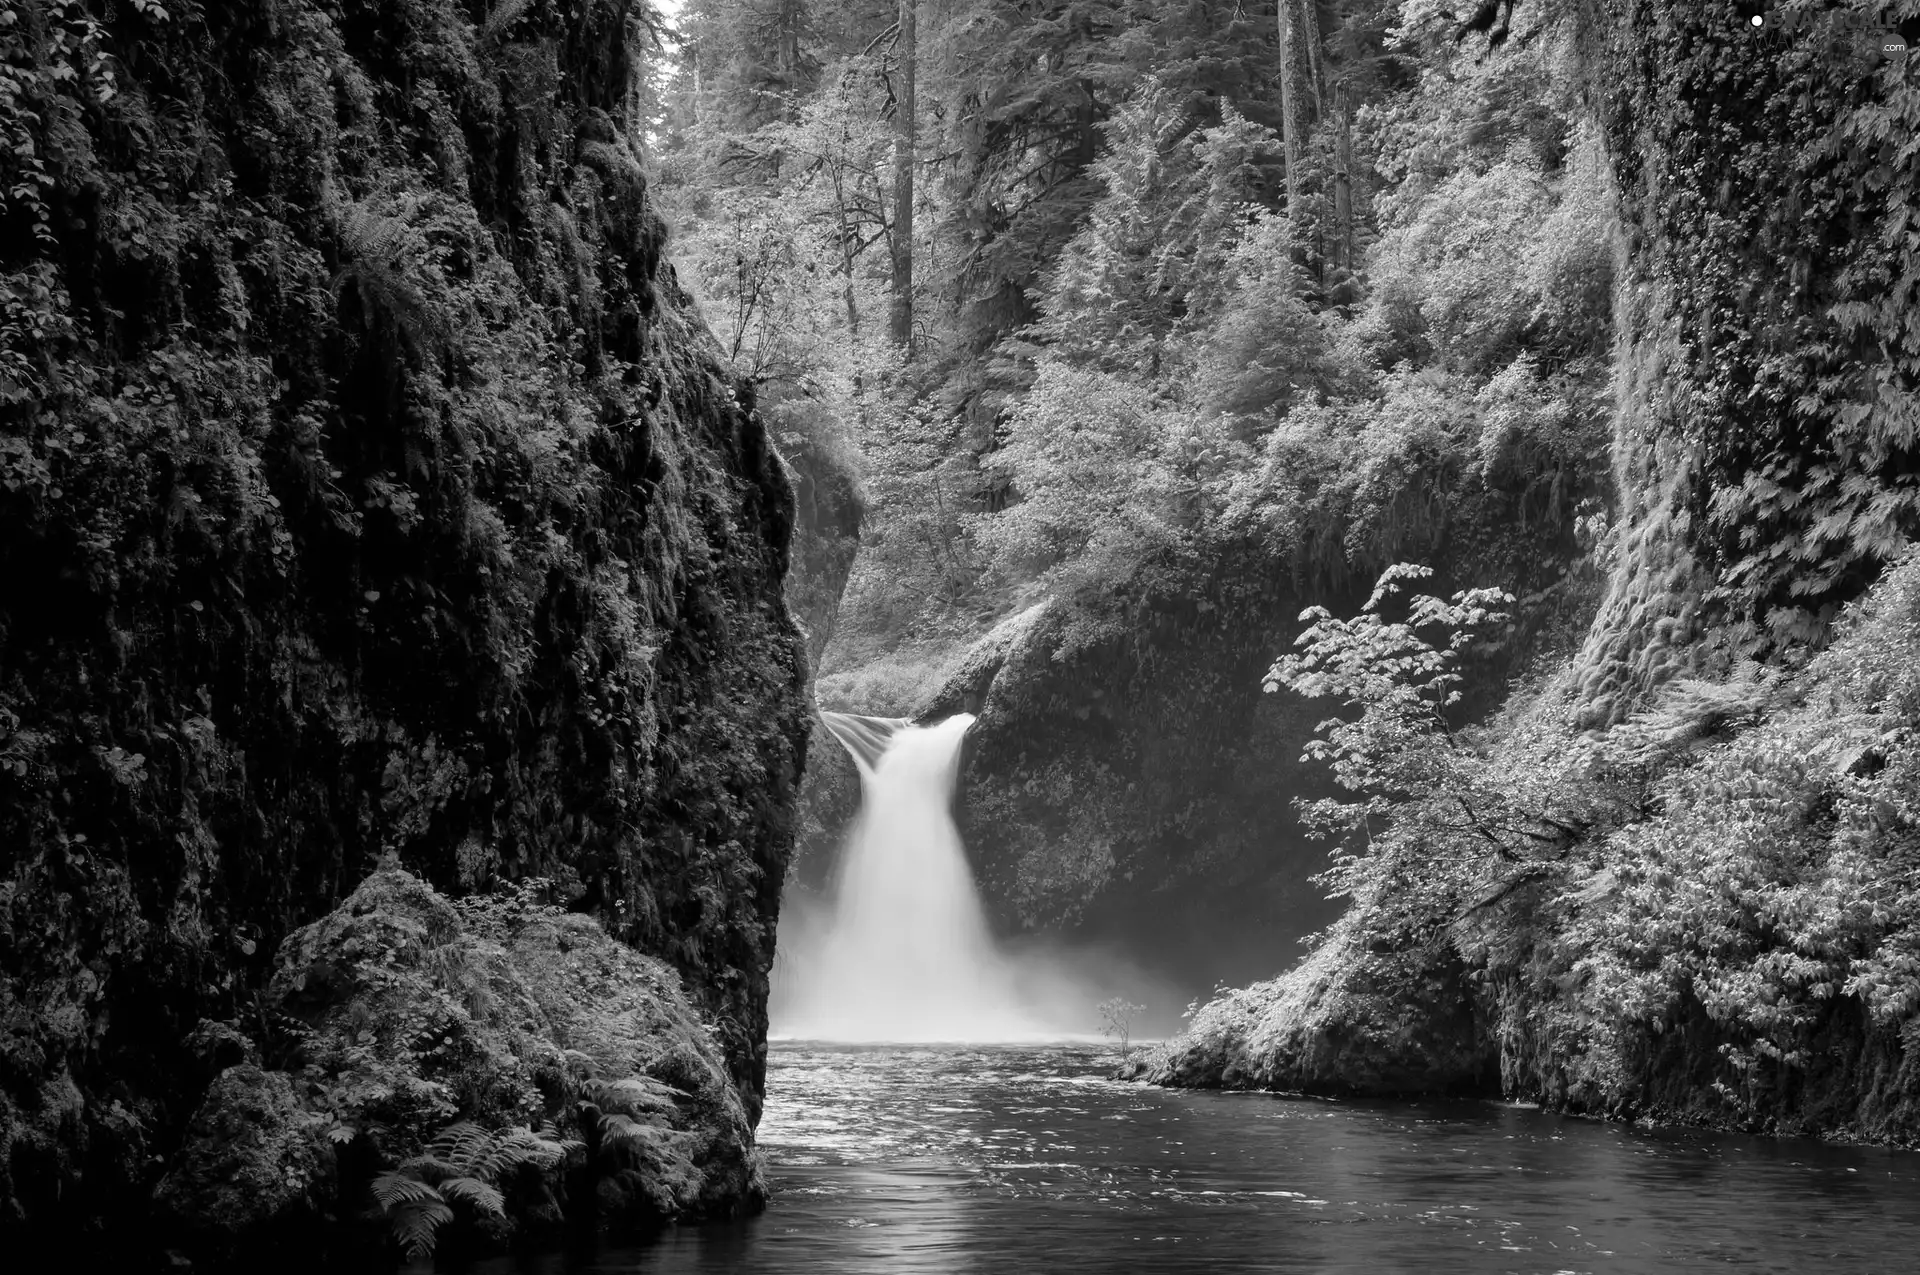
(399, 1014)
(1765, 375)
(1363, 1015)
(256, 1169)
(367, 488)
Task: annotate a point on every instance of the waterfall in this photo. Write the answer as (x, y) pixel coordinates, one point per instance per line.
(902, 952)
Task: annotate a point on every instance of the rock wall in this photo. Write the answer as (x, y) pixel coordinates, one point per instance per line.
(1128, 778)
(1766, 364)
(368, 491)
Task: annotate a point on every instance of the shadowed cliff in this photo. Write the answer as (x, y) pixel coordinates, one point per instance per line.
(368, 491)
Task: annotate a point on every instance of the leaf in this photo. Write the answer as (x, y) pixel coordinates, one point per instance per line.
(634, 1094)
(474, 1193)
(414, 1225)
(461, 1144)
(400, 1188)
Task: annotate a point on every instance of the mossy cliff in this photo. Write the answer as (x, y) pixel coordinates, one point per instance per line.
(1719, 924)
(367, 489)
(1767, 448)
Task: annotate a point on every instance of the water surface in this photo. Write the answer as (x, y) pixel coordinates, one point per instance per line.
(972, 1159)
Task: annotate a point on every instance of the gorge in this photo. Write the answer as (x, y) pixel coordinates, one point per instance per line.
(546, 545)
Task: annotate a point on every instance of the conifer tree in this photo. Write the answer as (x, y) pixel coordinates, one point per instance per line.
(904, 113)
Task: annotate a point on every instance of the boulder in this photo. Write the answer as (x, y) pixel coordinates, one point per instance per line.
(256, 1168)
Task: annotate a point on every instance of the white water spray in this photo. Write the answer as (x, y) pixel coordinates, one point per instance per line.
(904, 953)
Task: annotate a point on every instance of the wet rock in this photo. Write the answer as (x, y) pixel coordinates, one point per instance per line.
(256, 1166)
(216, 1046)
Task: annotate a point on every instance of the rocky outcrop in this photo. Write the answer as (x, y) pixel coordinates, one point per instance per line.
(368, 491)
(399, 1015)
(828, 508)
(1128, 777)
(1354, 1018)
(256, 1173)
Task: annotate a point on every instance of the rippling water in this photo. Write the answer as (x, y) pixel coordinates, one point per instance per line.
(968, 1159)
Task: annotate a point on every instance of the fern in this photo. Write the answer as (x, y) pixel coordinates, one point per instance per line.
(513, 1148)
(570, 1148)
(414, 1225)
(634, 1094)
(382, 253)
(463, 1164)
(480, 1196)
(461, 1144)
(622, 1131)
(392, 1190)
(1693, 710)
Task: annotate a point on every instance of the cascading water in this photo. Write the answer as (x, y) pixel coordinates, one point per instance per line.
(903, 953)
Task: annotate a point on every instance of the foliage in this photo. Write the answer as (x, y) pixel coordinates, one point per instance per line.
(464, 1165)
(1149, 398)
(1771, 362)
(1777, 884)
(1116, 1020)
(1430, 786)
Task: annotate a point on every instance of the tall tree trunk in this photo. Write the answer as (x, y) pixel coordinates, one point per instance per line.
(1312, 46)
(1296, 98)
(903, 146)
(1342, 186)
(847, 238)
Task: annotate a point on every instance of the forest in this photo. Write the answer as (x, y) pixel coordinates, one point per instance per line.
(1523, 381)
(1416, 498)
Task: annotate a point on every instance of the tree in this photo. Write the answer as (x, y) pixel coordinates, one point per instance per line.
(1116, 1022)
(904, 111)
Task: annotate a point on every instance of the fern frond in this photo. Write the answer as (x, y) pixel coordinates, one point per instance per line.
(430, 1168)
(415, 1223)
(399, 1187)
(475, 1194)
(570, 1149)
(516, 1147)
(634, 1094)
(461, 1144)
(580, 1066)
(620, 1130)
(380, 251)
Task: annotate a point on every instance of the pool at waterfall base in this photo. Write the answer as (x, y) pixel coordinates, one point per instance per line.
(975, 1158)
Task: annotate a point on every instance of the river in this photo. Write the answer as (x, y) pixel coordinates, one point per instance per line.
(1026, 1159)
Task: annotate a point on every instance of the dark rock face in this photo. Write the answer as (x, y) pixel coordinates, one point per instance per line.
(826, 535)
(367, 488)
